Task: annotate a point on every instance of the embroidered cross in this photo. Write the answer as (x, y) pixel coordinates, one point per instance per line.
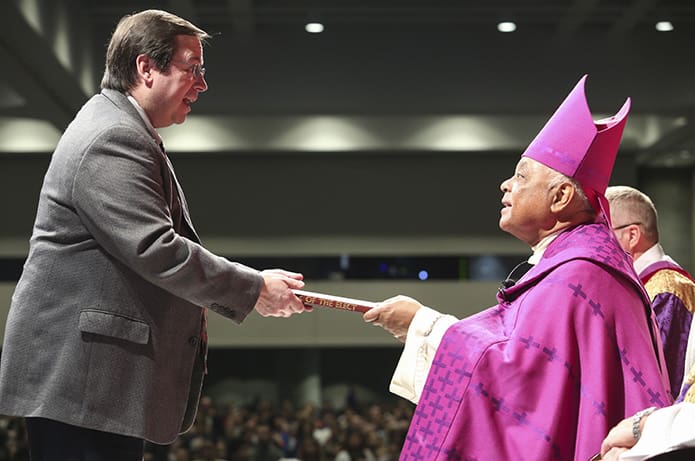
(435, 405)
(478, 388)
(426, 429)
(577, 289)
(637, 376)
(418, 454)
(551, 353)
(464, 372)
(596, 308)
(520, 418)
(445, 379)
(655, 397)
(451, 399)
(452, 454)
(498, 404)
(529, 342)
(439, 364)
(600, 408)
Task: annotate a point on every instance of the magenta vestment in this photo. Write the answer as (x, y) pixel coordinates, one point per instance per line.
(545, 374)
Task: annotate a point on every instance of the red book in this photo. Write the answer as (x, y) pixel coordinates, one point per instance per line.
(334, 302)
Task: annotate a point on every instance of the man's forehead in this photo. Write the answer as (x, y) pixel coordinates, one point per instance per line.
(531, 164)
(189, 48)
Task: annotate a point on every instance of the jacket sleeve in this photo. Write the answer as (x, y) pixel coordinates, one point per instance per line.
(119, 196)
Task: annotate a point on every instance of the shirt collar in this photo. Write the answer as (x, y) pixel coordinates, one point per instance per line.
(654, 254)
(540, 247)
(146, 119)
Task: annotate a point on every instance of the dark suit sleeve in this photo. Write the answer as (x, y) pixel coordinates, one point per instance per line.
(119, 195)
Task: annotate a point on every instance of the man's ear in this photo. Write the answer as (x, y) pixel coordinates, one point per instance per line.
(634, 236)
(144, 67)
(563, 194)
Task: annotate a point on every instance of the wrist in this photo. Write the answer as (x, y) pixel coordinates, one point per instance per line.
(637, 422)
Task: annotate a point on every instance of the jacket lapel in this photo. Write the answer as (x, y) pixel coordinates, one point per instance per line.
(121, 101)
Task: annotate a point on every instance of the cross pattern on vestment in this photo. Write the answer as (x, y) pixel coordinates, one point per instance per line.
(577, 289)
(551, 353)
(596, 308)
(446, 380)
(417, 455)
(453, 454)
(435, 406)
(600, 408)
(637, 376)
(529, 342)
(521, 418)
(498, 405)
(426, 429)
(655, 397)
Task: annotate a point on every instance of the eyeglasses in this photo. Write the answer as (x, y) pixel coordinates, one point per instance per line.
(626, 225)
(196, 70)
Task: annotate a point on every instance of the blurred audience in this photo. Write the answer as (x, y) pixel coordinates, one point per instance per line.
(265, 432)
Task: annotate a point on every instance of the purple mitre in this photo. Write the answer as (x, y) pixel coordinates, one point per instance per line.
(572, 143)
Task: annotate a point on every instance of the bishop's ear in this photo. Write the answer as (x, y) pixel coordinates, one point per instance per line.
(563, 194)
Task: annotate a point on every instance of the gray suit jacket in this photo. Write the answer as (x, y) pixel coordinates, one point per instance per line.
(105, 324)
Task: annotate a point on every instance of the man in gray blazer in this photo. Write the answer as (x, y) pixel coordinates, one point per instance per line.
(105, 342)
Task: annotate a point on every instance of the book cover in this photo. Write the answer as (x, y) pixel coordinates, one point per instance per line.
(334, 302)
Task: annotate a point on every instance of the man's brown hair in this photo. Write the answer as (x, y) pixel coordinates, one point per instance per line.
(150, 32)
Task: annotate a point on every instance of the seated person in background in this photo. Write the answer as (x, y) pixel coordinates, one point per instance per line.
(666, 433)
(571, 348)
(670, 287)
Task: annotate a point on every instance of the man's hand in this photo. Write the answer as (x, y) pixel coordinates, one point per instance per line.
(276, 298)
(613, 454)
(620, 438)
(394, 315)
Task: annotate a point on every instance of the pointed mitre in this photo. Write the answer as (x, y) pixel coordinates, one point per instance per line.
(572, 143)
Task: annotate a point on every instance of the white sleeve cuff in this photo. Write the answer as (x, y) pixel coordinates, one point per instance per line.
(424, 335)
(664, 430)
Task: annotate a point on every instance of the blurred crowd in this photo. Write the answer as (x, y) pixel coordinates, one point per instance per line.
(262, 431)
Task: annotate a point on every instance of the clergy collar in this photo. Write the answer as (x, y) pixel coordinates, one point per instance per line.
(649, 257)
(539, 248)
(146, 119)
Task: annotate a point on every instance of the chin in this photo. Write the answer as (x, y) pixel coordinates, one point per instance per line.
(503, 224)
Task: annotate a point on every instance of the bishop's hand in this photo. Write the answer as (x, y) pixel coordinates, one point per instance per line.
(394, 315)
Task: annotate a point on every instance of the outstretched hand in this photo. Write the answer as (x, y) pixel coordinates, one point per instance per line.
(276, 298)
(394, 315)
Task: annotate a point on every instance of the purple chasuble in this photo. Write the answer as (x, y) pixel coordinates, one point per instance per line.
(672, 292)
(570, 351)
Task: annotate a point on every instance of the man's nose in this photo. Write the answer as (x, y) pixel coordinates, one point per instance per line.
(201, 85)
(504, 187)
